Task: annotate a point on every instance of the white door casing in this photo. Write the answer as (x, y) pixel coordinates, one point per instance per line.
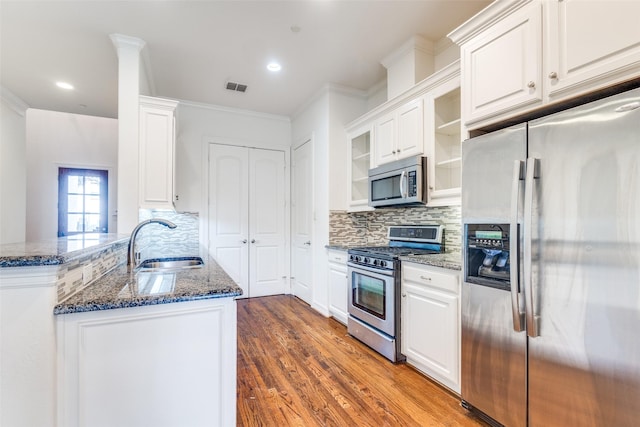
(302, 221)
(247, 217)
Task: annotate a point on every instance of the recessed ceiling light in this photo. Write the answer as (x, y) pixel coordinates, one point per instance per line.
(274, 66)
(64, 85)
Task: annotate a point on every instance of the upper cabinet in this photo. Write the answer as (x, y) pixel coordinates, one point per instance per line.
(400, 133)
(157, 153)
(519, 55)
(424, 121)
(358, 168)
(442, 119)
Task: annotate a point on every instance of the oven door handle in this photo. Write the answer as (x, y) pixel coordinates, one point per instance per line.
(351, 267)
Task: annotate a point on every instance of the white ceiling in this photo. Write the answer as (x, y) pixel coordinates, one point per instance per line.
(194, 47)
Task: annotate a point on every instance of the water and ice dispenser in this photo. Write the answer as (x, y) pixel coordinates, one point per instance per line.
(487, 255)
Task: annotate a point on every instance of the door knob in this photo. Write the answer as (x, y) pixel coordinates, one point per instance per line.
(553, 75)
(531, 84)
(253, 240)
(244, 241)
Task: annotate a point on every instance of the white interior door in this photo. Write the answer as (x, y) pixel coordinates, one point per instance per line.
(267, 267)
(229, 211)
(302, 217)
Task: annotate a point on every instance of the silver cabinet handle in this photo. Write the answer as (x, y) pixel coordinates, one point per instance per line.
(253, 240)
(553, 75)
(308, 243)
(393, 152)
(514, 249)
(398, 150)
(244, 241)
(531, 84)
(533, 327)
(426, 278)
(404, 295)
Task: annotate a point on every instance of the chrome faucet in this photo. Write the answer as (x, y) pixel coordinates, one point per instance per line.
(131, 258)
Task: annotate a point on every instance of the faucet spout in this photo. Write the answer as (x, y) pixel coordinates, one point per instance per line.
(131, 262)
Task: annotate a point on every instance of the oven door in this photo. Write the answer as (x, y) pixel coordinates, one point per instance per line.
(372, 297)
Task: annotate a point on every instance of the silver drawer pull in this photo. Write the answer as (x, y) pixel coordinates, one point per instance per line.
(425, 278)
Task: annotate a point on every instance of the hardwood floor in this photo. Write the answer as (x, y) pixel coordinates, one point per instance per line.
(298, 368)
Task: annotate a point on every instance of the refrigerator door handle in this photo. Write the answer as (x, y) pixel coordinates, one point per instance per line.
(514, 248)
(533, 173)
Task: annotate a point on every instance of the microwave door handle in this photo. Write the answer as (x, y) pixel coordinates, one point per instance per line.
(402, 176)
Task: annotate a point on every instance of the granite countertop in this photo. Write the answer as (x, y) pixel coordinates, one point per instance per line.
(120, 289)
(57, 251)
(450, 260)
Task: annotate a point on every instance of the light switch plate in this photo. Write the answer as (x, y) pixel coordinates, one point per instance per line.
(87, 274)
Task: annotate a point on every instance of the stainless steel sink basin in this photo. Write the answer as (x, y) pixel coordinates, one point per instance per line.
(170, 264)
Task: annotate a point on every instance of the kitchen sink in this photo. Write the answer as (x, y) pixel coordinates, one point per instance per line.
(170, 264)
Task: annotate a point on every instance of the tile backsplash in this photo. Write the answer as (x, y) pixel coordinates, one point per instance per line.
(370, 228)
(156, 241)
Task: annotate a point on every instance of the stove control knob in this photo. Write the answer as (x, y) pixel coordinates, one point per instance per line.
(375, 262)
(358, 259)
(366, 260)
(383, 263)
(351, 257)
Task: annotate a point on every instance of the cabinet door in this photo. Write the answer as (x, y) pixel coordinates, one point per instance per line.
(156, 153)
(430, 332)
(385, 137)
(591, 44)
(410, 140)
(338, 286)
(502, 66)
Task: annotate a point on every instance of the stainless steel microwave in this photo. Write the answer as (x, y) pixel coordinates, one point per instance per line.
(403, 182)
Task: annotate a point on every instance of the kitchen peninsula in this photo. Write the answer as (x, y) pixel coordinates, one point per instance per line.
(86, 343)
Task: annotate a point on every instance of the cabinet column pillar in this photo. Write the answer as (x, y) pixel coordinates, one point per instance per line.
(128, 49)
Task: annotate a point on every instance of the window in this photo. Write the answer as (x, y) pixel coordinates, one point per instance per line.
(82, 201)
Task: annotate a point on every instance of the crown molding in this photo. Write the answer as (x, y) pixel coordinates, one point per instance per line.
(232, 110)
(121, 41)
(415, 43)
(13, 101)
(327, 89)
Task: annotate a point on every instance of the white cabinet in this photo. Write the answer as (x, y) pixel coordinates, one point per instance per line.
(161, 365)
(591, 44)
(157, 153)
(431, 322)
(400, 133)
(338, 285)
(442, 118)
(358, 166)
(519, 55)
(501, 67)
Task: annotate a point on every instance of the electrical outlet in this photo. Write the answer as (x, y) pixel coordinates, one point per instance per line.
(87, 274)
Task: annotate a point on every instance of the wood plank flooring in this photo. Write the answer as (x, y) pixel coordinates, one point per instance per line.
(298, 368)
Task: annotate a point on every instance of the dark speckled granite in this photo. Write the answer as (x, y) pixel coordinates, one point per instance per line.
(57, 251)
(450, 260)
(120, 289)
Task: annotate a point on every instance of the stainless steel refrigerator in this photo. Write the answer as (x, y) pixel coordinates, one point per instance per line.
(551, 293)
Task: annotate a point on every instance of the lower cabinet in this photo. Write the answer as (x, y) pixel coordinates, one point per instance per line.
(431, 322)
(338, 285)
(160, 365)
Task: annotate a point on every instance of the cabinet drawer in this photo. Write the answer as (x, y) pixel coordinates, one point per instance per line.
(431, 276)
(339, 257)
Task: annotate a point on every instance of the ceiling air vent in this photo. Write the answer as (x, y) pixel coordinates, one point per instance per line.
(238, 87)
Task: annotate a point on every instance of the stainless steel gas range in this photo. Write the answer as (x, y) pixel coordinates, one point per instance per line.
(374, 285)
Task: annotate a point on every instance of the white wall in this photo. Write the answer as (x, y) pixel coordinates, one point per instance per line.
(13, 168)
(324, 117)
(198, 124)
(56, 140)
